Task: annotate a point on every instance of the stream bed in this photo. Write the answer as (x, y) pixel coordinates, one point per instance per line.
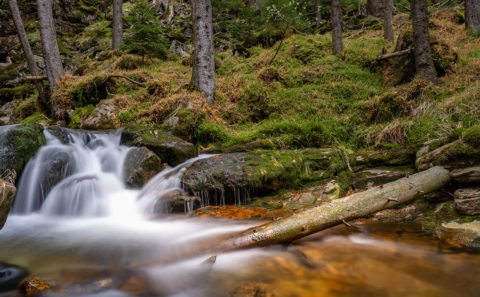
(88, 235)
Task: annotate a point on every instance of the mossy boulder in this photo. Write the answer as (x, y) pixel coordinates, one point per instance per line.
(7, 194)
(19, 143)
(472, 136)
(169, 148)
(234, 177)
(384, 157)
(455, 155)
(141, 164)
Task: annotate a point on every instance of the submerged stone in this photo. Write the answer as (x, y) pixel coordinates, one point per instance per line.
(11, 276)
(169, 148)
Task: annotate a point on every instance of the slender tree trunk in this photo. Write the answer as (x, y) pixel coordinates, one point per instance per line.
(422, 51)
(318, 14)
(371, 7)
(387, 20)
(337, 20)
(51, 53)
(472, 15)
(32, 66)
(117, 24)
(203, 70)
(359, 7)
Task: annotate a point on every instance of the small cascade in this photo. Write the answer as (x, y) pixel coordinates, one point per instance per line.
(72, 178)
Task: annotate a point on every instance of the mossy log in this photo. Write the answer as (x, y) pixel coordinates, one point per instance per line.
(322, 217)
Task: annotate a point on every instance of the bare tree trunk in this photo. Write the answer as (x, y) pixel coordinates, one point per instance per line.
(318, 14)
(472, 15)
(51, 54)
(359, 7)
(203, 72)
(32, 66)
(319, 218)
(117, 24)
(387, 20)
(371, 7)
(337, 20)
(422, 51)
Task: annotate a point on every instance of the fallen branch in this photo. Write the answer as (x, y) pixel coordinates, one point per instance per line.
(35, 78)
(395, 54)
(127, 78)
(321, 217)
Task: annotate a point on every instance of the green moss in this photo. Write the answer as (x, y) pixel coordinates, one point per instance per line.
(79, 115)
(472, 136)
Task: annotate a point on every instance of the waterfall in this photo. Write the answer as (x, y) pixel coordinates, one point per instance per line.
(80, 173)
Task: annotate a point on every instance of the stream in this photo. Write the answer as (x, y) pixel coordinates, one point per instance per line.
(75, 225)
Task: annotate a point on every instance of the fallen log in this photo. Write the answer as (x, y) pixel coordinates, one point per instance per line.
(35, 78)
(395, 54)
(322, 217)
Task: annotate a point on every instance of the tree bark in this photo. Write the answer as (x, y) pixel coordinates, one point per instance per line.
(387, 20)
(472, 15)
(318, 218)
(117, 24)
(371, 7)
(337, 20)
(318, 14)
(32, 66)
(51, 53)
(423, 57)
(203, 70)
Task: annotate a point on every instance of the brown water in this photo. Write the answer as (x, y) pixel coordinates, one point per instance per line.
(366, 259)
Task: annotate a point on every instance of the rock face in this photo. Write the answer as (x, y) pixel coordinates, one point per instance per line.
(170, 149)
(467, 175)
(102, 117)
(457, 154)
(141, 164)
(18, 143)
(7, 194)
(467, 201)
(233, 177)
(377, 176)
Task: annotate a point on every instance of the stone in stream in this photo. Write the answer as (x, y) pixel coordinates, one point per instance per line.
(7, 194)
(176, 202)
(11, 276)
(141, 164)
(231, 178)
(370, 178)
(18, 143)
(467, 201)
(169, 148)
(466, 175)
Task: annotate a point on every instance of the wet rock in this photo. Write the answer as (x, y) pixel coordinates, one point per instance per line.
(11, 276)
(392, 157)
(18, 143)
(102, 117)
(7, 194)
(312, 196)
(34, 286)
(467, 201)
(467, 175)
(177, 202)
(233, 177)
(454, 155)
(170, 149)
(473, 227)
(141, 164)
(370, 178)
